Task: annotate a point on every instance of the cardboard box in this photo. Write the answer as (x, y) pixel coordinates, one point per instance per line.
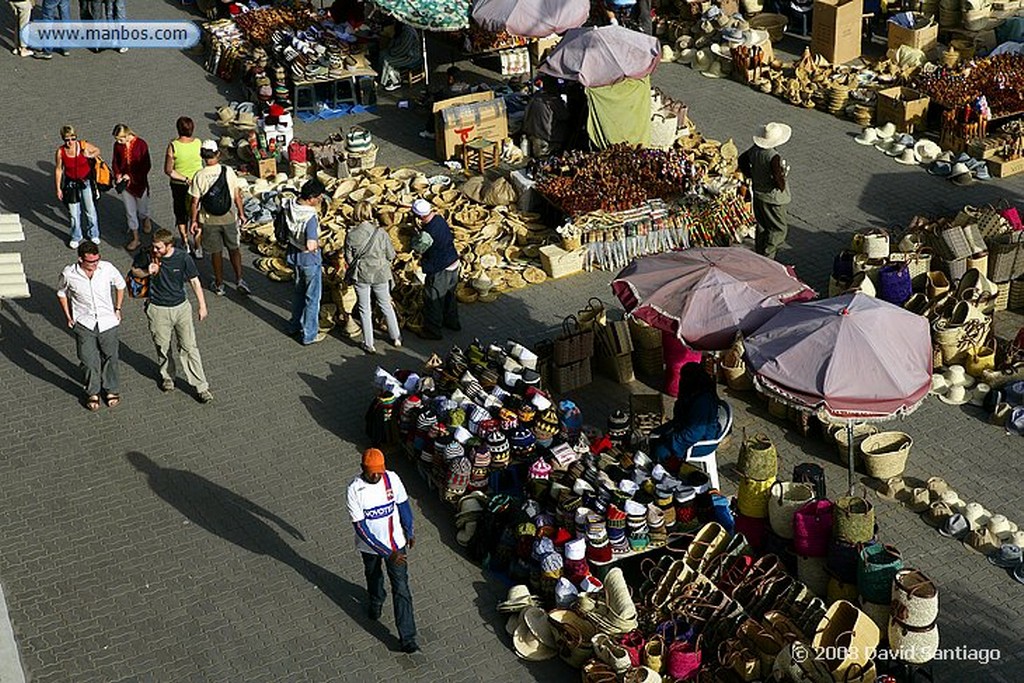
(836, 29)
(461, 119)
(540, 46)
(1001, 168)
(267, 168)
(905, 107)
(923, 39)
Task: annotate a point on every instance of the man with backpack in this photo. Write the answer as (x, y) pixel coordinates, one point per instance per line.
(217, 195)
(297, 227)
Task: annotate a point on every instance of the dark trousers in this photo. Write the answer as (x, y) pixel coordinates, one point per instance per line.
(772, 227)
(373, 567)
(440, 307)
(97, 355)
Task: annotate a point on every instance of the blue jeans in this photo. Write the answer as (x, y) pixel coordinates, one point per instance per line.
(56, 10)
(306, 302)
(92, 227)
(373, 566)
(114, 10)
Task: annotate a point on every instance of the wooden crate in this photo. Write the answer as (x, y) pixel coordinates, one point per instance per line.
(1001, 168)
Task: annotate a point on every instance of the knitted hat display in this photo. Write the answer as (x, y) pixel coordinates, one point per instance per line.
(523, 443)
(498, 447)
(551, 565)
(408, 412)
(454, 450)
(570, 419)
(599, 549)
(618, 427)
(426, 419)
(540, 469)
(686, 510)
(509, 419)
(458, 478)
(526, 413)
(545, 427)
(541, 548)
(565, 592)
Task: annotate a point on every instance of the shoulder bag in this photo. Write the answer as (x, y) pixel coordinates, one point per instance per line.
(350, 271)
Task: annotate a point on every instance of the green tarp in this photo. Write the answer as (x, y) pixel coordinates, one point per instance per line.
(620, 112)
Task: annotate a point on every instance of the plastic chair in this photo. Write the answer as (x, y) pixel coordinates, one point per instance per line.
(709, 462)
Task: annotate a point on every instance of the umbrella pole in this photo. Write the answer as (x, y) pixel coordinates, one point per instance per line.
(426, 67)
(849, 453)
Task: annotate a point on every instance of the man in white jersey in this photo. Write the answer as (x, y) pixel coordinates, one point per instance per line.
(379, 508)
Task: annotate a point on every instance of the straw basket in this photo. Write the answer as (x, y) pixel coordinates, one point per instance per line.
(360, 161)
(644, 336)
(860, 432)
(885, 454)
(735, 372)
(774, 24)
(572, 243)
(663, 131)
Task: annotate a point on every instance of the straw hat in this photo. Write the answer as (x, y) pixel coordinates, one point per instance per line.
(980, 392)
(773, 135)
(956, 375)
(225, 114)
(527, 639)
(245, 121)
(907, 157)
(868, 136)
(886, 132)
(926, 151)
(955, 395)
(976, 514)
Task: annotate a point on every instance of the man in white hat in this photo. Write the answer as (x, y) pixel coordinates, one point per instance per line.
(768, 175)
(217, 195)
(440, 263)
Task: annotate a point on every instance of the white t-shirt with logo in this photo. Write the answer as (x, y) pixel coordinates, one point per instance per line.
(373, 504)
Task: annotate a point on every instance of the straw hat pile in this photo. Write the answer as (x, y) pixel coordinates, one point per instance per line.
(499, 246)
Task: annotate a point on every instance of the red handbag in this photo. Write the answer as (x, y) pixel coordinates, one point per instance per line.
(297, 152)
(683, 660)
(633, 643)
(1012, 216)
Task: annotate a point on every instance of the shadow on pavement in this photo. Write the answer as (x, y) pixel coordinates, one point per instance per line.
(238, 520)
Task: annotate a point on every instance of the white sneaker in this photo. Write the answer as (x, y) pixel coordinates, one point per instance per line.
(122, 50)
(198, 253)
(243, 287)
(73, 244)
(95, 240)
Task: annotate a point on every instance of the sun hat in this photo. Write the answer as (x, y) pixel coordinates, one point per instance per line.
(892, 488)
(714, 70)
(956, 375)
(955, 396)
(533, 639)
(961, 175)
(373, 461)
(887, 131)
(519, 597)
(981, 172)
(937, 514)
(732, 34)
(721, 50)
(868, 136)
(895, 148)
(773, 134)
(940, 168)
(926, 151)
(980, 392)
(977, 515)
(565, 592)
(1000, 526)
(955, 527)
(907, 157)
(982, 541)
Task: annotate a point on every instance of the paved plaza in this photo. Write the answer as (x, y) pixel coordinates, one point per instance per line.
(170, 541)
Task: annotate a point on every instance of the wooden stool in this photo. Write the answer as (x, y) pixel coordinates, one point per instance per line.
(482, 153)
(411, 77)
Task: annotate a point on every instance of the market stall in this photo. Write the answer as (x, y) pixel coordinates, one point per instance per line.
(622, 568)
(294, 56)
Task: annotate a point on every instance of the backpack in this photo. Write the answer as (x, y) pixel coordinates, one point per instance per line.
(284, 234)
(217, 200)
(102, 176)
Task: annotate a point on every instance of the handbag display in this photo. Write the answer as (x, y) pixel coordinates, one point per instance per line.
(853, 520)
(813, 474)
(877, 565)
(784, 499)
(812, 528)
(846, 636)
(758, 458)
(358, 140)
(574, 344)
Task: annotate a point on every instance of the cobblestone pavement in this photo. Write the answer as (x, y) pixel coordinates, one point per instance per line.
(170, 541)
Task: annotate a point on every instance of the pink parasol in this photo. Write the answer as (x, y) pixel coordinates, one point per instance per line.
(603, 55)
(530, 18)
(706, 295)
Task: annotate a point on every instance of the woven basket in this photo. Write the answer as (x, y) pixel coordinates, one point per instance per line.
(853, 520)
(777, 408)
(1016, 298)
(784, 499)
(735, 372)
(774, 24)
(1003, 261)
(861, 431)
(955, 268)
(752, 497)
(953, 242)
(663, 131)
(885, 454)
(812, 573)
(877, 565)
(360, 161)
(648, 361)
(644, 336)
(1002, 301)
(758, 458)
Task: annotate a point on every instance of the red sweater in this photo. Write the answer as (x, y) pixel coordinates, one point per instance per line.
(133, 161)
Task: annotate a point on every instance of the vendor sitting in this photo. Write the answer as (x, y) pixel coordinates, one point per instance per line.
(400, 51)
(694, 418)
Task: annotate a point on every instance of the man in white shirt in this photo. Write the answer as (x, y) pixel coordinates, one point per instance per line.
(380, 512)
(94, 316)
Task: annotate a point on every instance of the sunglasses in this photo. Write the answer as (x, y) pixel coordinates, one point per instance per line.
(70, 139)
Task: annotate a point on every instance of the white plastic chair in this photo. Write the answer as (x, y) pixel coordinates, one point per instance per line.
(709, 462)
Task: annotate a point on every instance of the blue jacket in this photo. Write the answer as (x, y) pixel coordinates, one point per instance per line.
(697, 421)
(441, 253)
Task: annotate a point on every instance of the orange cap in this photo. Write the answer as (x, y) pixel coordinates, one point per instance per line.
(373, 460)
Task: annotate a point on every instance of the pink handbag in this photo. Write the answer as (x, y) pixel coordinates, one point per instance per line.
(683, 660)
(1011, 215)
(812, 528)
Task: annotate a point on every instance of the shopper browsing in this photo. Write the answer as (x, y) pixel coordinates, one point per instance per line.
(768, 174)
(303, 255)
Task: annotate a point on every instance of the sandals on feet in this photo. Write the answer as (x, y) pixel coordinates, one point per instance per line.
(113, 399)
(92, 403)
